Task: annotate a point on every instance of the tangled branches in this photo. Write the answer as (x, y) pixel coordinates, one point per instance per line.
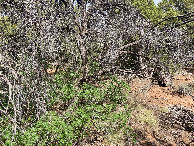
(35, 34)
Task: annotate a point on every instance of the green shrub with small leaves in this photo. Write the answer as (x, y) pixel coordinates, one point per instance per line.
(84, 111)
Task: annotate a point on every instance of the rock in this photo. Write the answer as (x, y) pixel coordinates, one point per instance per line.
(180, 117)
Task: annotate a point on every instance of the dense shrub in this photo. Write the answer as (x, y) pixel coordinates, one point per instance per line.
(76, 113)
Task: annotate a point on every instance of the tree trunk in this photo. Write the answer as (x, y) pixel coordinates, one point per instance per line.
(82, 41)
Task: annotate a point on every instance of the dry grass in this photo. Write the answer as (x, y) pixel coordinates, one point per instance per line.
(145, 117)
(184, 89)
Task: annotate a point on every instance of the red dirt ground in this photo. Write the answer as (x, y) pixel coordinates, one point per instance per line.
(164, 96)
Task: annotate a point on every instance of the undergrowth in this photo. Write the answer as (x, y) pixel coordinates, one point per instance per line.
(76, 113)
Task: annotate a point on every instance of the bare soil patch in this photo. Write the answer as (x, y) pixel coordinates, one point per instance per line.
(172, 112)
(163, 96)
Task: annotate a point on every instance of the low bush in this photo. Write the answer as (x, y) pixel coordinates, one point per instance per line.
(184, 89)
(76, 113)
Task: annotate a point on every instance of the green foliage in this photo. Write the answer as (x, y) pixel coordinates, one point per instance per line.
(50, 129)
(5, 128)
(94, 67)
(173, 8)
(178, 6)
(164, 10)
(149, 10)
(82, 109)
(6, 26)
